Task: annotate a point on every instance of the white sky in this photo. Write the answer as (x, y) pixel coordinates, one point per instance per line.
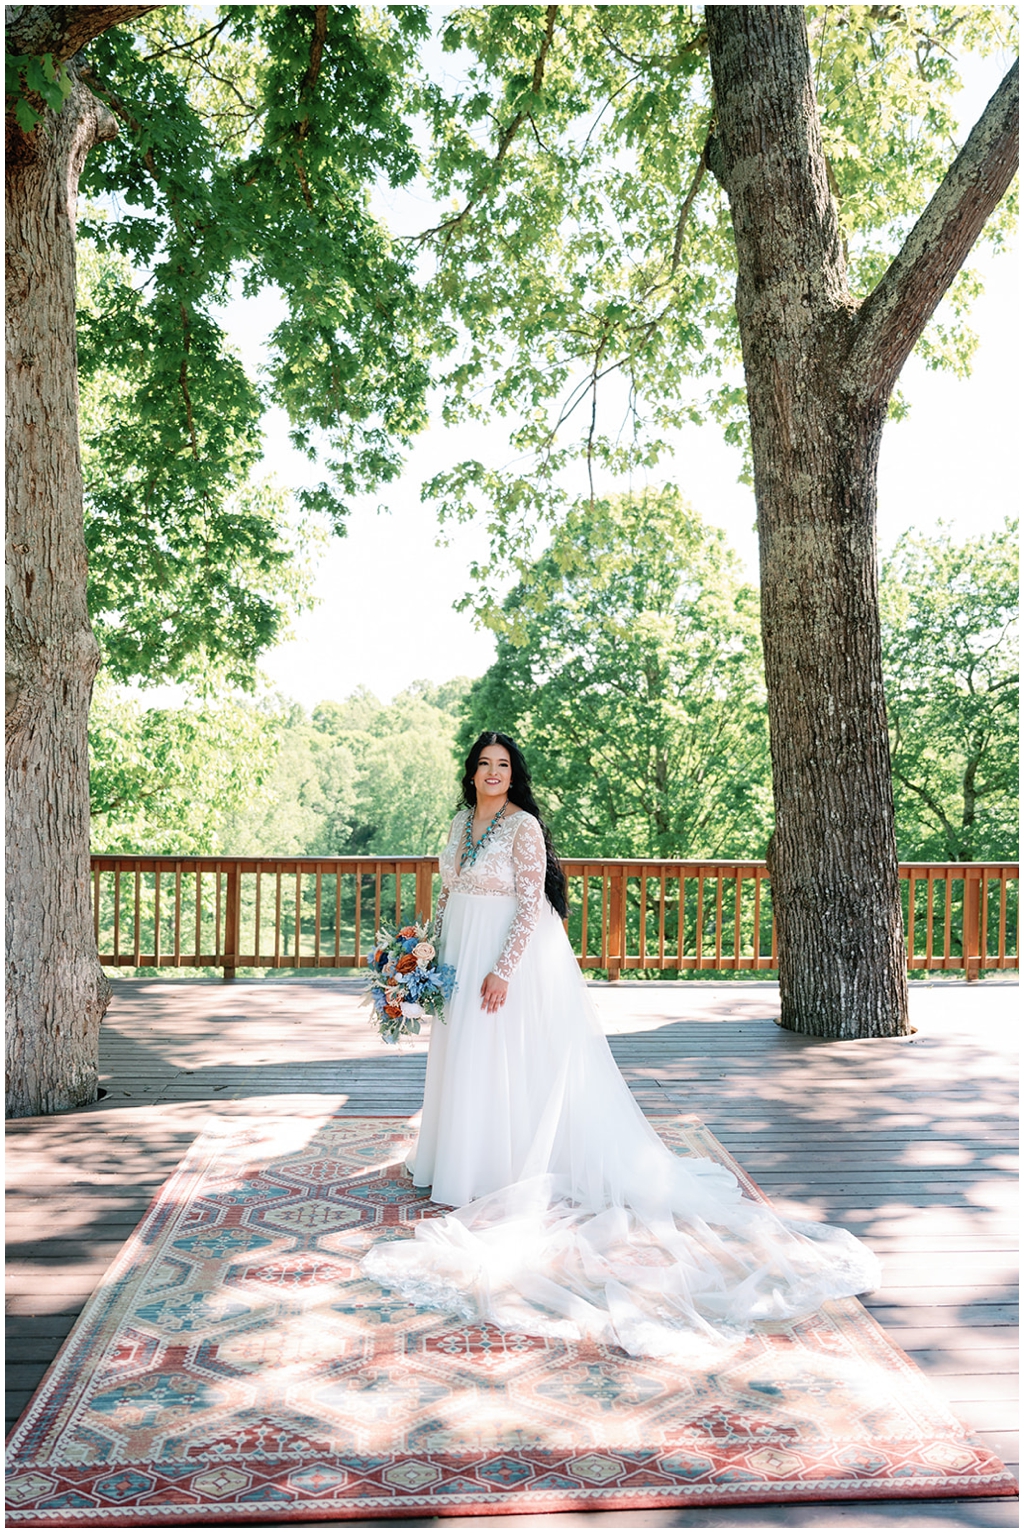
(386, 591)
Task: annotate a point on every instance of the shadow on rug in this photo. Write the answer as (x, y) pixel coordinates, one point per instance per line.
(233, 1366)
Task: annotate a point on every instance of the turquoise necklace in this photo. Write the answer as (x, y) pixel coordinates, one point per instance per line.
(472, 850)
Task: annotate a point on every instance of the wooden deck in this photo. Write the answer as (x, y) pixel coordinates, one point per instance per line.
(909, 1143)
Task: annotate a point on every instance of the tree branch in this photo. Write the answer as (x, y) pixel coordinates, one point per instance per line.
(308, 86)
(507, 136)
(63, 30)
(931, 802)
(697, 44)
(188, 43)
(316, 51)
(183, 380)
(688, 201)
(892, 318)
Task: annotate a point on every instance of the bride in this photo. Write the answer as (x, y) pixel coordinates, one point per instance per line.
(570, 1216)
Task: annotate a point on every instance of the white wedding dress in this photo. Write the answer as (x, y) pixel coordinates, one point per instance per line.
(571, 1216)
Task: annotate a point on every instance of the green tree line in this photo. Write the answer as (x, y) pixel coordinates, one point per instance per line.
(269, 778)
(628, 668)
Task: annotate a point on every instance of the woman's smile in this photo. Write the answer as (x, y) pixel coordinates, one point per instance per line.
(493, 777)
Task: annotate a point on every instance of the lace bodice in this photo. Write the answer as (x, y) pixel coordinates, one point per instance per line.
(513, 862)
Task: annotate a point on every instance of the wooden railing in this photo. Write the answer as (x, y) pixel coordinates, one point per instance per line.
(322, 912)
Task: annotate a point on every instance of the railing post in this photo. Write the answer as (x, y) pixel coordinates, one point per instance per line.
(232, 921)
(424, 890)
(616, 924)
(972, 925)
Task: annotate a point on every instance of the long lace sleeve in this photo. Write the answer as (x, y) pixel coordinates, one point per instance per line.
(529, 859)
(448, 866)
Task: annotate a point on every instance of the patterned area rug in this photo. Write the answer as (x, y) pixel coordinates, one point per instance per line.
(233, 1366)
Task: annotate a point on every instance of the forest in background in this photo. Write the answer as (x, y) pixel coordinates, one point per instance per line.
(628, 668)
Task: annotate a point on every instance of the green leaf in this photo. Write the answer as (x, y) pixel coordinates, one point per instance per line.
(26, 116)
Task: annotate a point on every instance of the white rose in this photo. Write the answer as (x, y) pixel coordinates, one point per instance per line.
(410, 1009)
(423, 952)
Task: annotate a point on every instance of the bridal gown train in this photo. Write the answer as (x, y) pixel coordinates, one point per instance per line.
(570, 1215)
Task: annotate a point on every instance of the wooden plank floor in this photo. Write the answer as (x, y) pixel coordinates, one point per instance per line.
(909, 1143)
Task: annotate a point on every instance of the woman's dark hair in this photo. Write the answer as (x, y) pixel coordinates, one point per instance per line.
(520, 793)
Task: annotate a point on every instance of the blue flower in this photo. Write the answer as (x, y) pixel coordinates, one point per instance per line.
(409, 944)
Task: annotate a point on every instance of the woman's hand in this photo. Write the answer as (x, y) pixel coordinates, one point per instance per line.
(493, 992)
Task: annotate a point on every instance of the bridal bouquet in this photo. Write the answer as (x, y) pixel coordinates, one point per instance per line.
(405, 981)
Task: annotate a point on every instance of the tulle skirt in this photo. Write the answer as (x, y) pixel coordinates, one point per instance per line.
(570, 1215)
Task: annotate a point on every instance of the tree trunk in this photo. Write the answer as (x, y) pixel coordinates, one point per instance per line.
(56, 990)
(835, 889)
(819, 371)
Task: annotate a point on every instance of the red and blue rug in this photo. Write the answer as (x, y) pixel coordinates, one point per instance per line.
(234, 1366)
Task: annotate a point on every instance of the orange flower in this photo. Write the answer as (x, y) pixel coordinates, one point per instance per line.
(406, 963)
(393, 1011)
(407, 931)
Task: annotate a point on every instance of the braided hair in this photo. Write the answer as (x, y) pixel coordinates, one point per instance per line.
(520, 793)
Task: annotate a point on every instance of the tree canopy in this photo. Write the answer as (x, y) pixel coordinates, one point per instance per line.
(578, 277)
(586, 259)
(405, 758)
(167, 779)
(246, 157)
(574, 142)
(949, 611)
(199, 592)
(629, 670)
(232, 776)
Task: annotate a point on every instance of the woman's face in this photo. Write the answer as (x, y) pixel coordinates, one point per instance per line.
(493, 775)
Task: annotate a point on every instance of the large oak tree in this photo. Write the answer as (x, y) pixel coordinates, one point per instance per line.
(55, 989)
(256, 166)
(820, 368)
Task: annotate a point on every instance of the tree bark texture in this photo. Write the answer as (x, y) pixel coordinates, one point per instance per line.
(56, 991)
(819, 371)
(835, 887)
(63, 30)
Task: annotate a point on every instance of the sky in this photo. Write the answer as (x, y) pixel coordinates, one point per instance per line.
(385, 593)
